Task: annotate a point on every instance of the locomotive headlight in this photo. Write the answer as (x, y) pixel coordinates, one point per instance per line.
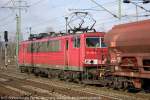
(91, 61)
(118, 59)
(116, 68)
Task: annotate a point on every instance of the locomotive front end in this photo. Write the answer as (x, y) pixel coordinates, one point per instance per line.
(95, 54)
(95, 51)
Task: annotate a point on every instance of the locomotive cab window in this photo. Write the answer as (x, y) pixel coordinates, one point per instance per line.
(76, 42)
(67, 45)
(102, 43)
(93, 42)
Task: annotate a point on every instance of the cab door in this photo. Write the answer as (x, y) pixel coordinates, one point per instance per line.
(67, 52)
(74, 52)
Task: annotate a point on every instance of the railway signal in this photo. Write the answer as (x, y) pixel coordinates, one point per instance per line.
(6, 36)
(6, 45)
(19, 6)
(126, 1)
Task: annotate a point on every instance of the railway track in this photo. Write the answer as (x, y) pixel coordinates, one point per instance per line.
(59, 89)
(43, 89)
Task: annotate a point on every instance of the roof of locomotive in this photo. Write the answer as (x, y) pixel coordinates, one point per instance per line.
(64, 36)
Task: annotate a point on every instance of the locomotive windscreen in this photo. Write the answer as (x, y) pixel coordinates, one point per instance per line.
(95, 42)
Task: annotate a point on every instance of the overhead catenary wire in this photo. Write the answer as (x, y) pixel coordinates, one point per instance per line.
(46, 21)
(104, 9)
(35, 26)
(109, 21)
(7, 23)
(39, 24)
(140, 7)
(85, 9)
(6, 17)
(36, 3)
(9, 1)
(143, 14)
(92, 8)
(127, 16)
(13, 2)
(60, 16)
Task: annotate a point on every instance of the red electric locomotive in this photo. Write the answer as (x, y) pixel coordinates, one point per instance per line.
(72, 56)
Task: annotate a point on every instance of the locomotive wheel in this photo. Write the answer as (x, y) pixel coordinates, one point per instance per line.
(36, 72)
(61, 77)
(110, 85)
(29, 70)
(76, 80)
(125, 85)
(115, 85)
(120, 85)
(22, 70)
(49, 76)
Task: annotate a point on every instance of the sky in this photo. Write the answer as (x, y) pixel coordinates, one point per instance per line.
(49, 15)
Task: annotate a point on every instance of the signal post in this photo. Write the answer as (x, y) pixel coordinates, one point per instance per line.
(6, 45)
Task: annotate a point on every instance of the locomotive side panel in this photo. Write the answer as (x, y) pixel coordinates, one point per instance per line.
(44, 53)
